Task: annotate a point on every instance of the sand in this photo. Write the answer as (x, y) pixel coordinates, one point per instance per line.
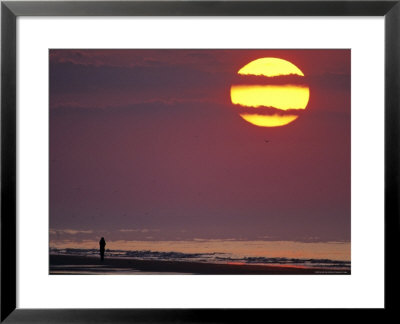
(66, 264)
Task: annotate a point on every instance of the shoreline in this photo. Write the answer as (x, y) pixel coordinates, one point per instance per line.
(77, 265)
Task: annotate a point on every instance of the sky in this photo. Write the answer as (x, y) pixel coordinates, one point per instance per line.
(147, 145)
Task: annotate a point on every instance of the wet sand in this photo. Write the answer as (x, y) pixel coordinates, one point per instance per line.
(66, 264)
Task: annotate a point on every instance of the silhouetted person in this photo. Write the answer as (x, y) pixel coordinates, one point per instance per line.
(102, 244)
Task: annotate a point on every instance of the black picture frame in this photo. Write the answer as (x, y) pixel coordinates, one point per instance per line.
(10, 10)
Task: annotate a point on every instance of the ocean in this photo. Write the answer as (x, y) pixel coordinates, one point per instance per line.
(324, 255)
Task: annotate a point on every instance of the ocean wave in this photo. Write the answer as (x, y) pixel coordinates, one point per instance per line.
(215, 257)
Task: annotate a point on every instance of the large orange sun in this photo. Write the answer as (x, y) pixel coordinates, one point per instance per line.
(282, 101)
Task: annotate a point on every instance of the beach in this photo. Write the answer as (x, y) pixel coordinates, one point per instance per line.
(81, 265)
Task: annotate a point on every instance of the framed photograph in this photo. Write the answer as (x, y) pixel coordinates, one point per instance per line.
(197, 161)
